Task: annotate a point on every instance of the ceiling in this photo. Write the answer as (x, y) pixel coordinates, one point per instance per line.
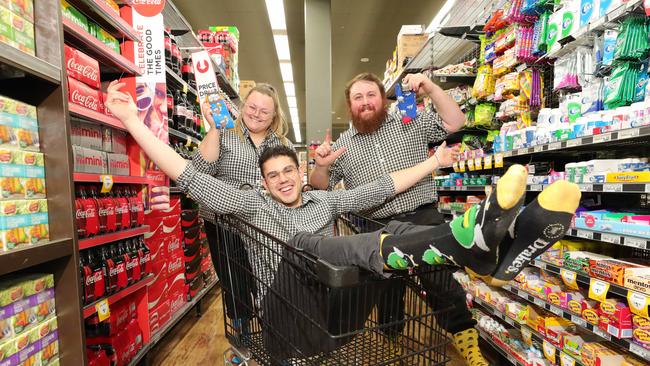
(360, 28)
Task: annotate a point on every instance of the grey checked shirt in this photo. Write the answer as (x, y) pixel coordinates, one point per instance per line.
(237, 163)
(395, 146)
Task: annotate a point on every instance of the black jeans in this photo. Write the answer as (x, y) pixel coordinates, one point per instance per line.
(234, 271)
(391, 309)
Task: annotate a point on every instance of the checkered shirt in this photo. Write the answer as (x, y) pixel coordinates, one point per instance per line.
(393, 147)
(316, 215)
(237, 163)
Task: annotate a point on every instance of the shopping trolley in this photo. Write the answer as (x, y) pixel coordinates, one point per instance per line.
(300, 310)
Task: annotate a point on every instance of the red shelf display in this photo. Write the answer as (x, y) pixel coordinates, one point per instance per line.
(89, 310)
(96, 178)
(109, 238)
(88, 114)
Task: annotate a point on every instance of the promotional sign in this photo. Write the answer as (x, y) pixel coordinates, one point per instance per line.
(208, 89)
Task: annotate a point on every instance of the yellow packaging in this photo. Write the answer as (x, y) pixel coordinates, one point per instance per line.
(640, 322)
(627, 177)
(640, 283)
(590, 351)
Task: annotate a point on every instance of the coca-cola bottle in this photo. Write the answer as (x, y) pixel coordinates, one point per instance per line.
(186, 70)
(108, 204)
(134, 261)
(102, 210)
(123, 204)
(168, 48)
(108, 269)
(197, 124)
(80, 214)
(137, 207)
(120, 267)
(94, 286)
(174, 57)
(170, 109)
(145, 256)
(128, 266)
(88, 213)
(189, 113)
(179, 112)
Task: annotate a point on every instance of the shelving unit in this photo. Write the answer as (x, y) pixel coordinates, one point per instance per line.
(91, 309)
(89, 115)
(584, 187)
(618, 239)
(107, 18)
(109, 238)
(178, 83)
(183, 136)
(97, 178)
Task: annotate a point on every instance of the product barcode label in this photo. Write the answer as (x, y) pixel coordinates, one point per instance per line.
(566, 360)
(555, 146)
(462, 188)
(586, 187)
(625, 134)
(522, 293)
(540, 264)
(638, 350)
(612, 187)
(549, 351)
(602, 138)
(537, 148)
(602, 334)
(573, 142)
(536, 187)
(557, 311)
(585, 234)
(509, 320)
(635, 242)
(609, 238)
(507, 287)
(578, 321)
(538, 302)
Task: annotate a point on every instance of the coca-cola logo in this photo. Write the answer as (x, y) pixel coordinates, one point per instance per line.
(148, 8)
(98, 276)
(145, 258)
(131, 264)
(117, 270)
(120, 210)
(88, 101)
(137, 207)
(86, 71)
(177, 303)
(108, 211)
(82, 214)
(175, 265)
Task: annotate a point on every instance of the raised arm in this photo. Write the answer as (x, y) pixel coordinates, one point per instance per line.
(325, 157)
(453, 118)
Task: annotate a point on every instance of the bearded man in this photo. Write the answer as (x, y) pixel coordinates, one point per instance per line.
(378, 142)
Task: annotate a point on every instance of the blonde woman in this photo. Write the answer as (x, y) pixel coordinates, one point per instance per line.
(232, 156)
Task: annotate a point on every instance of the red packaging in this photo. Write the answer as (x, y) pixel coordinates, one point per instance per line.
(173, 245)
(82, 67)
(192, 267)
(196, 285)
(206, 264)
(159, 315)
(86, 215)
(175, 265)
(85, 96)
(157, 290)
(176, 292)
(173, 210)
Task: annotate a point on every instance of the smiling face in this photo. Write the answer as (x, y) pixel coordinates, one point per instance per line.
(259, 111)
(283, 180)
(367, 107)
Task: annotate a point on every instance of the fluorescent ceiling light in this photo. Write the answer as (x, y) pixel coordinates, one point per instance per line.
(436, 22)
(275, 9)
(282, 47)
(296, 133)
(292, 102)
(289, 90)
(286, 71)
(293, 112)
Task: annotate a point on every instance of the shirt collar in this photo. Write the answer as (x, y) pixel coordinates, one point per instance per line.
(269, 135)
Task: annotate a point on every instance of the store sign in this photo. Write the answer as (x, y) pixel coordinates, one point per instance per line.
(206, 80)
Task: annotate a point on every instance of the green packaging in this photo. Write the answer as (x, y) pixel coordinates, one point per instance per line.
(103, 36)
(68, 11)
(6, 31)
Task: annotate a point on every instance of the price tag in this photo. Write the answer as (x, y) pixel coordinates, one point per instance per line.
(487, 162)
(443, 79)
(188, 141)
(463, 188)
(585, 234)
(557, 311)
(597, 23)
(602, 334)
(540, 264)
(573, 142)
(470, 165)
(635, 242)
(598, 290)
(555, 146)
(640, 351)
(461, 166)
(566, 360)
(522, 293)
(586, 187)
(638, 303)
(509, 320)
(527, 335)
(609, 238)
(107, 183)
(539, 302)
(477, 163)
(536, 187)
(647, 188)
(455, 166)
(549, 351)
(612, 187)
(612, 16)
(103, 310)
(569, 278)
(507, 287)
(626, 134)
(498, 160)
(507, 154)
(578, 321)
(602, 138)
(537, 148)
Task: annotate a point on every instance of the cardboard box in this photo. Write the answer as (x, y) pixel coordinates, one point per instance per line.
(611, 270)
(87, 135)
(114, 141)
(245, 87)
(85, 96)
(6, 30)
(23, 33)
(159, 315)
(89, 160)
(118, 164)
(408, 46)
(157, 290)
(82, 67)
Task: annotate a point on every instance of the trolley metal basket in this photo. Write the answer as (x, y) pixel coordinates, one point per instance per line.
(299, 310)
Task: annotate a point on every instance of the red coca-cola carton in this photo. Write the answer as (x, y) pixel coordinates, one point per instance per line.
(82, 67)
(177, 292)
(159, 315)
(85, 96)
(157, 290)
(172, 245)
(175, 265)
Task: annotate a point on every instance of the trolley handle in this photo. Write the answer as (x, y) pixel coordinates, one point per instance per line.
(329, 274)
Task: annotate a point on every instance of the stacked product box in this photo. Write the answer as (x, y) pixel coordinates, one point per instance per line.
(198, 263)
(83, 80)
(222, 43)
(99, 149)
(71, 13)
(17, 24)
(23, 208)
(116, 340)
(28, 320)
(166, 293)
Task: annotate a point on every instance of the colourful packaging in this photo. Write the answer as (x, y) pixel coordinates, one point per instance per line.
(6, 30)
(74, 15)
(610, 270)
(23, 8)
(23, 34)
(591, 351)
(82, 67)
(85, 96)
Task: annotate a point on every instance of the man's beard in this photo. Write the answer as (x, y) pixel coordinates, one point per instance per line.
(369, 125)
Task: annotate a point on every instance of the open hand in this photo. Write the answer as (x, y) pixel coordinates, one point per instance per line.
(119, 103)
(447, 155)
(325, 156)
(207, 113)
(418, 83)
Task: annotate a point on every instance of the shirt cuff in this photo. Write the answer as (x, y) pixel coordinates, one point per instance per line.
(386, 185)
(204, 166)
(185, 179)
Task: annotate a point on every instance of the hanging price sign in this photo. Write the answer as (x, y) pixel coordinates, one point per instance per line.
(598, 290)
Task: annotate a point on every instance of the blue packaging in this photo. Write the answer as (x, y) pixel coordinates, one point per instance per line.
(641, 83)
(586, 12)
(406, 104)
(609, 46)
(220, 112)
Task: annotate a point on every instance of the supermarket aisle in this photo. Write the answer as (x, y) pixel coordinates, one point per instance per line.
(201, 341)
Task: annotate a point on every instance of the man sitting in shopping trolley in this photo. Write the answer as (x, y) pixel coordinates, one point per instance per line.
(495, 239)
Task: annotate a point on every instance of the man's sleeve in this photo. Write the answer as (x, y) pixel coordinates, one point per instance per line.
(203, 166)
(431, 123)
(363, 197)
(336, 172)
(215, 194)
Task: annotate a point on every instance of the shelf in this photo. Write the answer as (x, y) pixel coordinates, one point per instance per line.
(118, 179)
(32, 255)
(183, 136)
(178, 82)
(624, 343)
(180, 314)
(98, 50)
(224, 84)
(90, 309)
(23, 62)
(584, 187)
(488, 339)
(491, 310)
(584, 279)
(461, 188)
(450, 212)
(470, 33)
(92, 116)
(618, 239)
(106, 17)
(109, 238)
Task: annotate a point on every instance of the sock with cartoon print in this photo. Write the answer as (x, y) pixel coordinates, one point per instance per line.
(470, 240)
(540, 224)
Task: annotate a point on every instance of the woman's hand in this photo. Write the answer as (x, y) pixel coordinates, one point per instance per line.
(446, 156)
(120, 104)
